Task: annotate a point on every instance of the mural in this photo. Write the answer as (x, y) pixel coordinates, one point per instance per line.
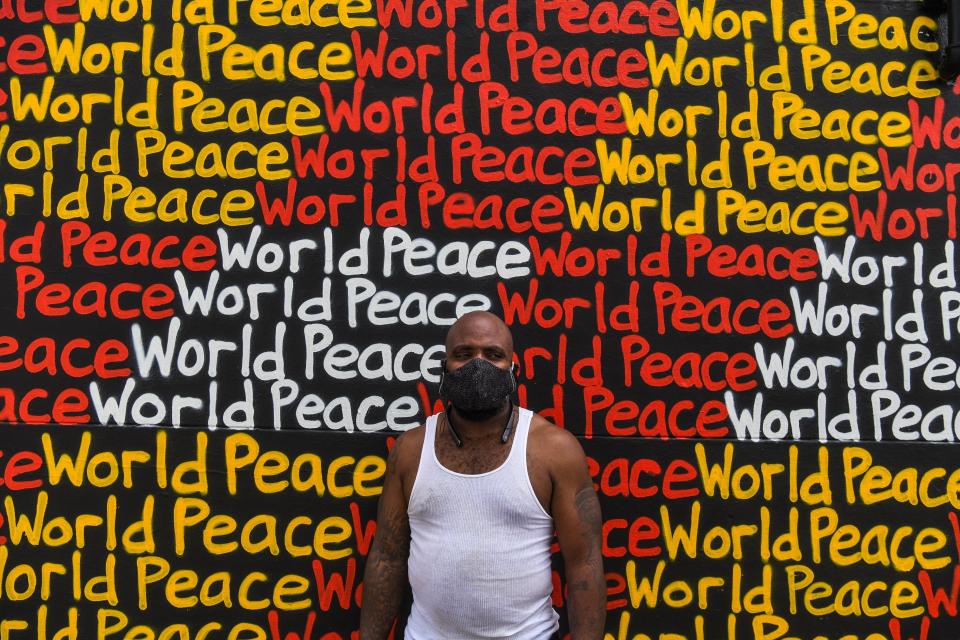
(233, 234)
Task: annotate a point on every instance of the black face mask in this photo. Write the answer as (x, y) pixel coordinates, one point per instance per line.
(478, 389)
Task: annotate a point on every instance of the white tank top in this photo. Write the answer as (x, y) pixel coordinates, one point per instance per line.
(479, 562)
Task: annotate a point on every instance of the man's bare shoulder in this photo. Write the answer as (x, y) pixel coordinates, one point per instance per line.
(406, 450)
(557, 447)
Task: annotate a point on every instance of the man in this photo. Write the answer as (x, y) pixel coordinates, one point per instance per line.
(469, 506)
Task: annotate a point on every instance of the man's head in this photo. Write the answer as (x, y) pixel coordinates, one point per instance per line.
(478, 372)
(479, 334)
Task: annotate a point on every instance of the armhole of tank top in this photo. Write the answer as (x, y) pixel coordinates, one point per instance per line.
(526, 468)
(429, 429)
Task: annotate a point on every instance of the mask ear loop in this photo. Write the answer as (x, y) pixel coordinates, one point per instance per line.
(443, 373)
(457, 440)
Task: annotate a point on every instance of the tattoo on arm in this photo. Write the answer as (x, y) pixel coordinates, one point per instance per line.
(586, 586)
(384, 582)
(385, 578)
(588, 510)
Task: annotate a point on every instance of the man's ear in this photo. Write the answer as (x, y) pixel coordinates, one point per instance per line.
(515, 375)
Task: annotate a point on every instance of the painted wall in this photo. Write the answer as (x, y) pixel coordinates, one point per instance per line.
(723, 235)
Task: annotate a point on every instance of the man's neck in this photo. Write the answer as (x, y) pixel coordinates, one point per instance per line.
(480, 430)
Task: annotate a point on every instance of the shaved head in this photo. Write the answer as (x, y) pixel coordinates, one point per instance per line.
(479, 334)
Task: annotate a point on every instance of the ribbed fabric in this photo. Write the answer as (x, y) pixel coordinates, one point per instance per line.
(479, 560)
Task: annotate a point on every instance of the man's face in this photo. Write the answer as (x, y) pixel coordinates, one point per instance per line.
(479, 337)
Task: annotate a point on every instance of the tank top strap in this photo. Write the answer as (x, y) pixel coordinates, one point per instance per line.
(430, 427)
(428, 462)
(518, 449)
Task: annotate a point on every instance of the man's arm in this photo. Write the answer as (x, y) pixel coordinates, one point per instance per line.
(576, 515)
(385, 578)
